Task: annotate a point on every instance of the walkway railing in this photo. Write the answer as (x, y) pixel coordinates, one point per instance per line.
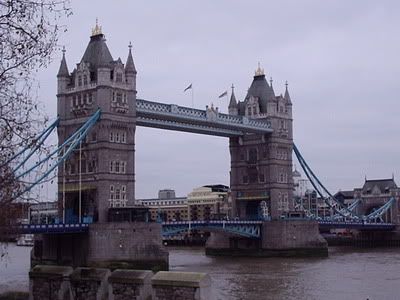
(209, 121)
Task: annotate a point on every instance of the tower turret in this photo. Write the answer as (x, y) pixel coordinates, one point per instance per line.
(63, 77)
(287, 96)
(261, 165)
(106, 163)
(130, 69)
(233, 107)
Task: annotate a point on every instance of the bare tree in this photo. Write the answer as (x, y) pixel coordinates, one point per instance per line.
(29, 32)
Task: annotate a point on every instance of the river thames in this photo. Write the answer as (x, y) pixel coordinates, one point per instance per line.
(347, 273)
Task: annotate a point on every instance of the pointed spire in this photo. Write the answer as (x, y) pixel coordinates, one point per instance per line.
(130, 65)
(272, 88)
(97, 29)
(287, 96)
(63, 70)
(259, 71)
(233, 102)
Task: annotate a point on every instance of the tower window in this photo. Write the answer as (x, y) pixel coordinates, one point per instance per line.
(123, 192)
(262, 178)
(119, 77)
(111, 136)
(253, 175)
(111, 192)
(249, 111)
(241, 156)
(85, 82)
(79, 80)
(253, 157)
(117, 193)
(89, 98)
(119, 97)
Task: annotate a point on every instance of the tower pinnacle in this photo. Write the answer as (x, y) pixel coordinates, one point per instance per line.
(97, 29)
(63, 70)
(287, 96)
(130, 65)
(233, 107)
(259, 71)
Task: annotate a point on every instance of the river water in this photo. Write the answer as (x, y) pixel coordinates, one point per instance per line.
(347, 273)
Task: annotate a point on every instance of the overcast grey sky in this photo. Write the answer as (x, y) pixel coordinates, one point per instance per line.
(341, 59)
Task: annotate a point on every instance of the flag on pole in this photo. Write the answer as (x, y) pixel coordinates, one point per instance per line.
(223, 94)
(188, 88)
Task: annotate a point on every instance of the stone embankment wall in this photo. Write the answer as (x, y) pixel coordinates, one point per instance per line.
(64, 283)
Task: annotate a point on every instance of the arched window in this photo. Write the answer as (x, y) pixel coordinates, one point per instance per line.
(249, 111)
(119, 77)
(253, 155)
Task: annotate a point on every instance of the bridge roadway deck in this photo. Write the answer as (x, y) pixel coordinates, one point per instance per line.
(209, 121)
(221, 225)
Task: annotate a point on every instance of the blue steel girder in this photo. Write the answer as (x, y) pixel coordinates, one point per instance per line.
(249, 229)
(211, 122)
(380, 211)
(356, 225)
(54, 228)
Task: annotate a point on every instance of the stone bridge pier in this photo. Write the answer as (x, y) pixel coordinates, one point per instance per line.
(278, 238)
(136, 245)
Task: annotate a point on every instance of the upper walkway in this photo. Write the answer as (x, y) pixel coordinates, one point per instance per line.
(209, 121)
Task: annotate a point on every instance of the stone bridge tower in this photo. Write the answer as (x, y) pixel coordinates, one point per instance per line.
(261, 165)
(101, 174)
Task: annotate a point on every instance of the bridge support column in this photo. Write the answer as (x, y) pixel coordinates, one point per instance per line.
(136, 245)
(293, 238)
(278, 238)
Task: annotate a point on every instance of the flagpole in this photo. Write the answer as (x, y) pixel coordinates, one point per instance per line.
(227, 99)
(192, 97)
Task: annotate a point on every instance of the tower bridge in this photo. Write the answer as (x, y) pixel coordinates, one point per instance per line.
(97, 173)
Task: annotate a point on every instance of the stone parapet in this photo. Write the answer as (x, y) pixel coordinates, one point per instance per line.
(181, 285)
(49, 282)
(130, 285)
(90, 283)
(64, 283)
